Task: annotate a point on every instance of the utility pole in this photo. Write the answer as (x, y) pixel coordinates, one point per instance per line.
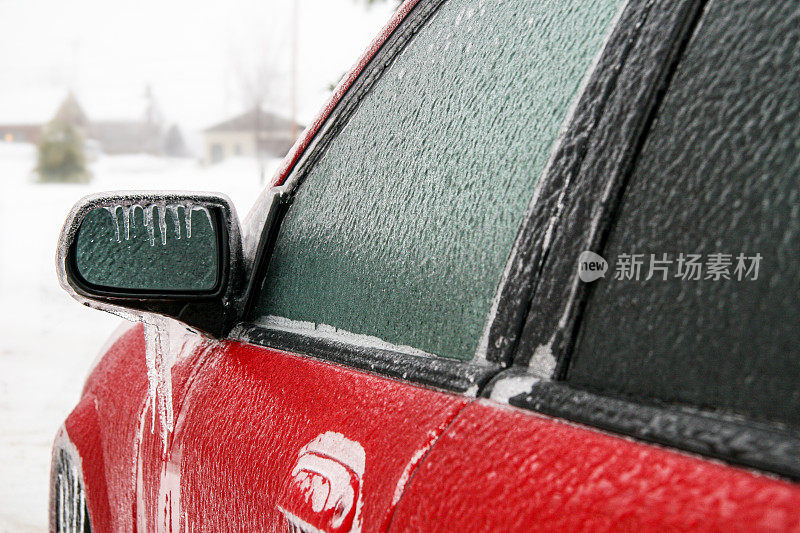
(293, 74)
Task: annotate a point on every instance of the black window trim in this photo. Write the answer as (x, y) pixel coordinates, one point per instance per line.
(435, 372)
(581, 196)
(546, 217)
(768, 447)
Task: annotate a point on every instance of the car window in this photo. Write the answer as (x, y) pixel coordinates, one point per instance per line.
(717, 189)
(403, 227)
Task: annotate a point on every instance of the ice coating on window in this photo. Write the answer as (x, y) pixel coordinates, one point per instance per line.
(403, 227)
(718, 174)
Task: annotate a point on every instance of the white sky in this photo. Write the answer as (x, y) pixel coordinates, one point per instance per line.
(189, 51)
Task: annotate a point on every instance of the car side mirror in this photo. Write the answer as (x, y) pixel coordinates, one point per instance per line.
(172, 254)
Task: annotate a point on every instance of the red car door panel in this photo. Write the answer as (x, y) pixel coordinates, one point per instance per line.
(267, 439)
(498, 468)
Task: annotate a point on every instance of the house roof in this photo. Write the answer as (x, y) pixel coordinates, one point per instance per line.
(264, 120)
(39, 105)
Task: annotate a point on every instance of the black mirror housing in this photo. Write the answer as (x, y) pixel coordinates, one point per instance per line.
(167, 253)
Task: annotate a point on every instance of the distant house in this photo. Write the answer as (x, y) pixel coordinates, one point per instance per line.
(251, 133)
(147, 133)
(21, 133)
(68, 111)
(123, 136)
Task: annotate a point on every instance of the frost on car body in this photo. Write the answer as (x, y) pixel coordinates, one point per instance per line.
(326, 485)
(343, 393)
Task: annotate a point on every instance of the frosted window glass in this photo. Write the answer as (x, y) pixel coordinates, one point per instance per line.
(718, 175)
(402, 229)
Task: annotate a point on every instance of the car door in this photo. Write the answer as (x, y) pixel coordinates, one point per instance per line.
(704, 359)
(370, 320)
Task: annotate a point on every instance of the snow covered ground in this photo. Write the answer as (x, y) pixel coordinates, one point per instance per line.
(47, 340)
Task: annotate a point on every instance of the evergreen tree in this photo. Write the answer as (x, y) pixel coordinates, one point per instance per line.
(70, 111)
(174, 145)
(61, 158)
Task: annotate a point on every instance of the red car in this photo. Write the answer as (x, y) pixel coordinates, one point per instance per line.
(535, 267)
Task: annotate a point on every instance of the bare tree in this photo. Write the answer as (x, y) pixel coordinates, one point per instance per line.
(258, 54)
(257, 80)
(154, 123)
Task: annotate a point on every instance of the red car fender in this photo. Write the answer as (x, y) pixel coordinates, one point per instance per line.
(83, 432)
(103, 428)
(121, 452)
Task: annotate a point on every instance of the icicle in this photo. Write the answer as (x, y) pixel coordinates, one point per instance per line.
(133, 214)
(189, 210)
(129, 219)
(113, 210)
(159, 359)
(176, 219)
(126, 221)
(187, 215)
(162, 222)
(148, 224)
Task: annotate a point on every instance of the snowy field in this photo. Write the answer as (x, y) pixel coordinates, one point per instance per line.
(47, 340)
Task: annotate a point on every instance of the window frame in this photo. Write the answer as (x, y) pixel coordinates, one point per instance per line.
(466, 377)
(582, 193)
(505, 331)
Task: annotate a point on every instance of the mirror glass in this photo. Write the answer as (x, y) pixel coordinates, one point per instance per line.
(151, 247)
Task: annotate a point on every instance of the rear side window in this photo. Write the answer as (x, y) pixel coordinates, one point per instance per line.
(403, 227)
(719, 179)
